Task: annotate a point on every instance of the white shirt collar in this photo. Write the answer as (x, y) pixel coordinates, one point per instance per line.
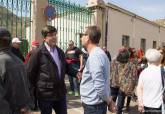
(49, 48)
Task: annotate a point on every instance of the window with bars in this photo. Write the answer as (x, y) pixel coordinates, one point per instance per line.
(125, 40)
(143, 44)
(154, 45)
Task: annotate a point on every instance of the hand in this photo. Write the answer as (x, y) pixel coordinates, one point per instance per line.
(81, 68)
(111, 105)
(25, 111)
(79, 75)
(141, 108)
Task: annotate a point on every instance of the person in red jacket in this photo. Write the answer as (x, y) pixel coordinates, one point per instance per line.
(34, 45)
(140, 53)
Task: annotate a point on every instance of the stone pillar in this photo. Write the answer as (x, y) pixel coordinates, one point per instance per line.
(99, 17)
(38, 19)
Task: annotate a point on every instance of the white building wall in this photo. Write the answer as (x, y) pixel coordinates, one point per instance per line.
(162, 35)
(147, 31)
(118, 24)
(125, 23)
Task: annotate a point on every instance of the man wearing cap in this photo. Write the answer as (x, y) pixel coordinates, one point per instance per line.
(46, 71)
(15, 48)
(14, 92)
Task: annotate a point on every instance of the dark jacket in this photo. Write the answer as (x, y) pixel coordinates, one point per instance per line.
(14, 91)
(18, 53)
(43, 74)
(109, 55)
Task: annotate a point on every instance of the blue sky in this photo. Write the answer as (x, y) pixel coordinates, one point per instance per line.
(150, 9)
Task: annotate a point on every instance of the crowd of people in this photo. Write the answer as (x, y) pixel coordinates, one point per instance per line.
(37, 81)
(137, 75)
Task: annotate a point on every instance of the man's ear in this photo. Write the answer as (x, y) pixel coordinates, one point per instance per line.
(44, 39)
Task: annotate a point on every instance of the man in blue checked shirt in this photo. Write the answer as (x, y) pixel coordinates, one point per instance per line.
(94, 87)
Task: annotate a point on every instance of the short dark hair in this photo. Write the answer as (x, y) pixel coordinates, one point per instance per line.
(5, 43)
(48, 30)
(5, 37)
(94, 33)
(123, 56)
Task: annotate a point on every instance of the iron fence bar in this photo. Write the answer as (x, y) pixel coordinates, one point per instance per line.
(67, 20)
(81, 21)
(2, 12)
(64, 39)
(77, 25)
(25, 19)
(21, 20)
(74, 17)
(30, 22)
(57, 11)
(71, 31)
(57, 22)
(16, 18)
(12, 22)
(79, 31)
(65, 13)
(81, 18)
(84, 18)
(7, 14)
(25, 25)
(59, 16)
(56, 4)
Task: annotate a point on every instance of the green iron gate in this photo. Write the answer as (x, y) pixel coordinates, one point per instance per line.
(15, 15)
(71, 19)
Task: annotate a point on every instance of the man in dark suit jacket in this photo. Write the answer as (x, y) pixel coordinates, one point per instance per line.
(46, 70)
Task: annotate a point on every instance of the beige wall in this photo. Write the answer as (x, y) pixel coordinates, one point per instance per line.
(147, 31)
(162, 35)
(120, 24)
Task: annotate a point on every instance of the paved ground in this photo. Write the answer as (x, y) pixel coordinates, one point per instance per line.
(75, 107)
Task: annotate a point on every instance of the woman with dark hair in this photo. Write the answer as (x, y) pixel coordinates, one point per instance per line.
(127, 78)
(116, 66)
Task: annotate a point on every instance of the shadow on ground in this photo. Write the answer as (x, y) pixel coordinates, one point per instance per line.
(132, 110)
(73, 102)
